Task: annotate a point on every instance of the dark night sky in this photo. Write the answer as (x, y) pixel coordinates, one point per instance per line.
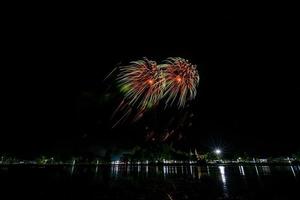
(247, 99)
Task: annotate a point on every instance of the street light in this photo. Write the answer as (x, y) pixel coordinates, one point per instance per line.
(218, 151)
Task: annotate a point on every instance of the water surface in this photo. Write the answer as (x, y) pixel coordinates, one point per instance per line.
(150, 182)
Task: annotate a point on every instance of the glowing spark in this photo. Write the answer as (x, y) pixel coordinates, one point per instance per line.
(178, 79)
(150, 82)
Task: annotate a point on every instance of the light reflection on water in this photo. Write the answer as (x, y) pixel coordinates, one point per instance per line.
(293, 171)
(223, 178)
(158, 181)
(256, 170)
(227, 177)
(266, 170)
(241, 169)
(194, 171)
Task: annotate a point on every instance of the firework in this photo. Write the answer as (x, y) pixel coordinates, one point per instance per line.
(181, 80)
(142, 83)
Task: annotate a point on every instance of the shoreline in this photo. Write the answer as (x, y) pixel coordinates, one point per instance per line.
(156, 164)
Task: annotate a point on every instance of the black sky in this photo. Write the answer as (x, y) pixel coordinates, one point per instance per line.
(247, 99)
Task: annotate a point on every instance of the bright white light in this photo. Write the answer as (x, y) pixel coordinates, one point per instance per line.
(222, 172)
(218, 151)
(242, 172)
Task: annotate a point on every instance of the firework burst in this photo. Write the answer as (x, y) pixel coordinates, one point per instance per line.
(144, 84)
(181, 81)
(141, 82)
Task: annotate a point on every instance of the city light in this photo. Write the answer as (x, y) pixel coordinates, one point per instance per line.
(218, 151)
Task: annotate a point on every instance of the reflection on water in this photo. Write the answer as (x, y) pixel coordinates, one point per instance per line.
(155, 182)
(293, 171)
(223, 178)
(72, 169)
(256, 170)
(199, 172)
(193, 171)
(189, 171)
(242, 172)
(222, 172)
(266, 170)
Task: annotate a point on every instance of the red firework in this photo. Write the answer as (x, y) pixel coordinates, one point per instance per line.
(181, 80)
(141, 82)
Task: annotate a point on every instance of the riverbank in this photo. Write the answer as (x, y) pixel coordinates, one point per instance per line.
(152, 164)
